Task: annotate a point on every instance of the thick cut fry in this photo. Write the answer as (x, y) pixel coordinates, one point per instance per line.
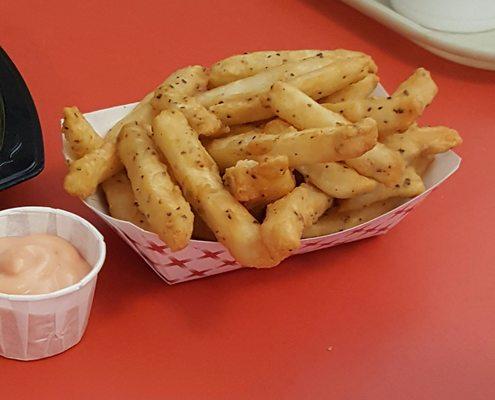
(329, 79)
(423, 141)
(277, 125)
(244, 65)
(411, 185)
(257, 183)
(198, 175)
(184, 82)
(242, 111)
(142, 113)
(243, 128)
(421, 85)
(355, 91)
(337, 180)
(79, 133)
(159, 199)
(334, 221)
(303, 112)
(107, 160)
(302, 147)
(86, 173)
(260, 83)
(176, 92)
(201, 120)
(380, 163)
(121, 201)
(317, 83)
(392, 114)
(300, 110)
(287, 218)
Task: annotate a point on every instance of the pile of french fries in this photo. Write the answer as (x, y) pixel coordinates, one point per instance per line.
(261, 150)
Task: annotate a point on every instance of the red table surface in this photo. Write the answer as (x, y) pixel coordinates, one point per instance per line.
(409, 315)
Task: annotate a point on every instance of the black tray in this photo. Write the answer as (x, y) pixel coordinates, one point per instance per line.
(21, 143)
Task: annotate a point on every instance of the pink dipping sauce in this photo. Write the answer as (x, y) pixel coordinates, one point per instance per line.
(38, 264)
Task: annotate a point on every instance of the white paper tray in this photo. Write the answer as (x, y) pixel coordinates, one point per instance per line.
(201, 258)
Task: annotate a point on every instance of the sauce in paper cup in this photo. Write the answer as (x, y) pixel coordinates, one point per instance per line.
(38, 326)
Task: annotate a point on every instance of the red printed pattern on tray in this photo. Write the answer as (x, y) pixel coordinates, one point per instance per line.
(201, 259)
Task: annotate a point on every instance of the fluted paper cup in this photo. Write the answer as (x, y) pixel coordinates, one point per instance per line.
(202, 258)
(39, 326)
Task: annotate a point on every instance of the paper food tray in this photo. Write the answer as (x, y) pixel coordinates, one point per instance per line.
(202, 258)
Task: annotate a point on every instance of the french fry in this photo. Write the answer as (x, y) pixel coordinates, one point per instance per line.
(395, 113)
(244, 65)
(121, 201)
(355, 91)
(176, 93)
(142, 113)
(241, 111)
(276, 126)
(316, 83)
(107, 160)
(243, 128)
(337, 179)
(158, 197)
(79, 133)
(421, 85)
(287, 218)
(187, 81)
(411, 185)
(302, 147)
(184, 82)
(259, 183)
(379, 163)
(418, 141)
(299, 109)
(334, 221)
(198, 175)
(201, 120)
(392, 114)
(330, 78)
(260, 83)
(302, 111)
(86, 173)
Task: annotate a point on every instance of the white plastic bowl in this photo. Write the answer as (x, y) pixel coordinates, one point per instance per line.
(38, 326)
(449, 15)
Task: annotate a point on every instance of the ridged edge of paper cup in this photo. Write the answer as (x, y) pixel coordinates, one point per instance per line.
(96, 267)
